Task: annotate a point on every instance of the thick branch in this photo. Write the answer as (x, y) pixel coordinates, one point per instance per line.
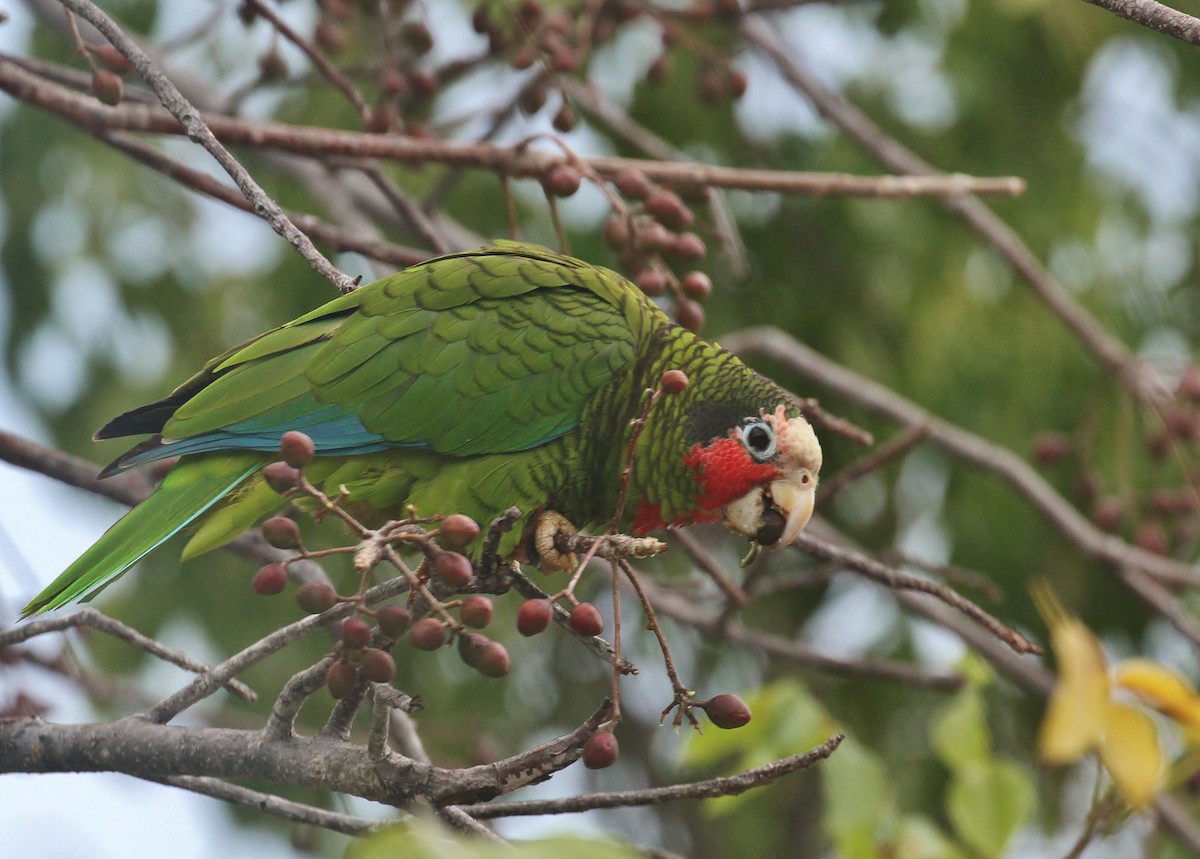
(1156, 16)
(518, 161)
(141, 748)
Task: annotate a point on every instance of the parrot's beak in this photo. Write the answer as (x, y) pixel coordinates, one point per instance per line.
(795, 501)
(774, 518)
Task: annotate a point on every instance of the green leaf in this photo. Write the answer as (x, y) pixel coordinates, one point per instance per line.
(959, 732)
(987, 803)
(860, 806)
(921, 839)
(426, 839)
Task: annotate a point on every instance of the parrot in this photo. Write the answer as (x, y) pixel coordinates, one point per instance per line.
(508, 375)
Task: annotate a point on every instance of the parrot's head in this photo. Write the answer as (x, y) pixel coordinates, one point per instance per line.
(760, 479)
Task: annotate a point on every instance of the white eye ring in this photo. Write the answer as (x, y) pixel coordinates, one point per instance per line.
(758, 437)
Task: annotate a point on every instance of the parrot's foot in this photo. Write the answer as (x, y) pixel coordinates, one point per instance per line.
(548, 529)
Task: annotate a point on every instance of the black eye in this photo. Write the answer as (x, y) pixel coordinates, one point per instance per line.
(759, 439)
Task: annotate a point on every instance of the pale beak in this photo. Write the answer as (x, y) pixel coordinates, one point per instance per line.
(796, 501)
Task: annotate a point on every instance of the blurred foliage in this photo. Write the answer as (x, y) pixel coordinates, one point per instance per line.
(118, 284)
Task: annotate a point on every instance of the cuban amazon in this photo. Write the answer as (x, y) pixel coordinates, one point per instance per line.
(470, 383)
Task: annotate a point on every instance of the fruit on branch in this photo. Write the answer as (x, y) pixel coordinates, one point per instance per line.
(600, 750)
(476, 611)
(378, 665)
(340, 679)
(454, 569)
(281, 532)
(316, 597)
(534, 616)
(586, 620)
(356, 633)
(727, 711)
(427, 634)
(394, 620)
(504, 376)
(269, 580)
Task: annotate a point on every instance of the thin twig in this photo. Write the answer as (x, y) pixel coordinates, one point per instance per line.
(197, 130)
(1156, 16)
(100, 622)
(724, 786)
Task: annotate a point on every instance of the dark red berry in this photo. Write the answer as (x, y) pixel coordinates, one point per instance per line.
(586, 620)
(1107, 513)
(633, 183)
(600, 751)
(738, 83)
(562, 180)
(492, 659)
(652, 281)
(688, 247)
(696, 284)
(565, 119)
(616, 231)
(454, 569)
(457, 531)
(107, 87)
(378, 665)
(340, 679)
(669, 208)
(673, 381)
(470, 645)
(654, 236)
(270, 580)
(1152, 537)
(534, 616)
(476, 611)
(281, 477)
(281, 532)
(727, 711)
(316, 597)
(394, 620)
(356, 633)
(1050, 447)
(690, 315)
(427, 634)
(297, 448)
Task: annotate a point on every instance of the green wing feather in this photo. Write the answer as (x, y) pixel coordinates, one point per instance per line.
(190, 489)
(441, 386)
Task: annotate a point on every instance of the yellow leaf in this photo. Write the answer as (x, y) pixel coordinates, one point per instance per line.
(1131, 753)
(1160, 688)
(1074, 720)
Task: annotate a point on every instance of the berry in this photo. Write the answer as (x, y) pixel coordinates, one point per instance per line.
(673, 381)
(562, 180)
(378, 665)
(394, 620)
(476, 611)
(633, 183)
(281, 532)
(427, 634)
(457, 531)
(616, 232)
(107, 87)
(534, 616)
(727, 711)
(1107, 513)
(770, 528)
(1050, 447)
(297, 448)
(270, 580)
(470, 645)
(670, 208)
(356, 633)
(492, 659)
(696, 284)
(600, 751)
(688, 247)
(738, 83)
(340, 679)
(651, 281)
(565, 119)
(454, 569)
(586, 620)
(689, 314)
(281, 477)
(316, 597)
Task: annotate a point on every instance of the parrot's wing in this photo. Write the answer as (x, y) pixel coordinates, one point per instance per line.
(482, 352)
(189, 490)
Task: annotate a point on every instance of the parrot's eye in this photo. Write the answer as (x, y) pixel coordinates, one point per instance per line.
(759, 439)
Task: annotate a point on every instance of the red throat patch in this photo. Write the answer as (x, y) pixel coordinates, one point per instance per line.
(723, 472)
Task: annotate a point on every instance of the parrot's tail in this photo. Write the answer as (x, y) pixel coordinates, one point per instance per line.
(191, 488)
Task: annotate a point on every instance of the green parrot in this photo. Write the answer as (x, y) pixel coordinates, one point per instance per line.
(470, 383)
